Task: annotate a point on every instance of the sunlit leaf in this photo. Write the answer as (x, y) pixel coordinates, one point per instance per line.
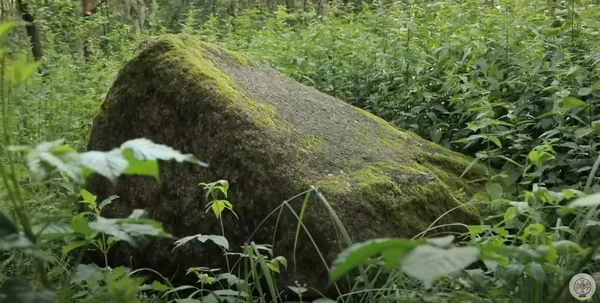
(570, 102)
(587, 201)
(360, 253)
(428, 262)
(219, 240)
(144, 149)
(109, 164)
(49, 157)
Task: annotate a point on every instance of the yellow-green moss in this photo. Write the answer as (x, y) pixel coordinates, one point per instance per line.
(372, 176)
(201, 69)
(239, 57)
(311, 143)
(242, 59)
(452, 162)
(386, 125)
(335, 184)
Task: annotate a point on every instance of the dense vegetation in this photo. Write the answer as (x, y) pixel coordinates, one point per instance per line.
(513, 83)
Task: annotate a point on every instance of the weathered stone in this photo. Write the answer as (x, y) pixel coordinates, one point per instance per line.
(272, 138)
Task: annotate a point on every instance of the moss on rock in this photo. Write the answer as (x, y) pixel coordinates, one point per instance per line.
(272, 138)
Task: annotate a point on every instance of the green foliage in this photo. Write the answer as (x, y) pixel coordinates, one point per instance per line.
(514, 84)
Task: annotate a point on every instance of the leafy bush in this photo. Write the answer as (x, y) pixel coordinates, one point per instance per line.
(513, 83)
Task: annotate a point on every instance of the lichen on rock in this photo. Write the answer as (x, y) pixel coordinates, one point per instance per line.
(272, 138)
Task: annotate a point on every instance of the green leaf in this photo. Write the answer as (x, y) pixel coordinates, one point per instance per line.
(584, 91)
(219, 240)
(534, 156)
(441, 241)
(6, 26)
(124, 290)
(49, 157)
(80, 225)
(536, 271)
(87, 196)
(134, 231)
(89, 273)
(427, 262)
(159, 286)
(140, 167)
(494, 190)
(144, 149)
(20, 291)
(71, 246)
(535, 229)
(582, 132)
(587, 201)
(495, 140)
(54, 230)
(109, 164)
(360, 253)
(570, 102)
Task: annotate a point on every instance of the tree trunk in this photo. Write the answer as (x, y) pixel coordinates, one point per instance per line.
(290, 6)
(232, 8)
(322, 8)
(32, 31)
(87, 7)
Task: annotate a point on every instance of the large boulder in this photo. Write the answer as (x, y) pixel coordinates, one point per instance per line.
(272, 138)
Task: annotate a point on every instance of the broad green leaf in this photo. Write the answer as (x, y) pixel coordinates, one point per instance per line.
(360, 253)
(494, 190)
(134, 231)
(80, 225)
(66, 249)
(124, 290)
(6, 26)
(534, 229)
(54, 230)
(219, 240)
(88, 273)
(596, 127)
(20, 291)
(584, 91)
(140, 167)
(22, 69)
(536, 271)
(159, 286)
(323, 300)
(582, 132)
(87, 196)
(441, 241)
(49, 157)
(495, 140)
(144, 149)
(427, 262)
(570, 102)
(109, 164)
(534, 156)
(587, 201)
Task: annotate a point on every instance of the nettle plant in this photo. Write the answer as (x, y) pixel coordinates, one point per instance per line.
(530, 250)
(134, 157)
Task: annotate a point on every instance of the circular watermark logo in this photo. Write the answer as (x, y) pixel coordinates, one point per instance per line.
(582, 286)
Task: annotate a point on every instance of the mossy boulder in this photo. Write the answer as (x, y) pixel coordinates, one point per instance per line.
(272, 138)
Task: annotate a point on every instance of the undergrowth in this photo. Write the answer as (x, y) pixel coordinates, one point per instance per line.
(512, 83)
